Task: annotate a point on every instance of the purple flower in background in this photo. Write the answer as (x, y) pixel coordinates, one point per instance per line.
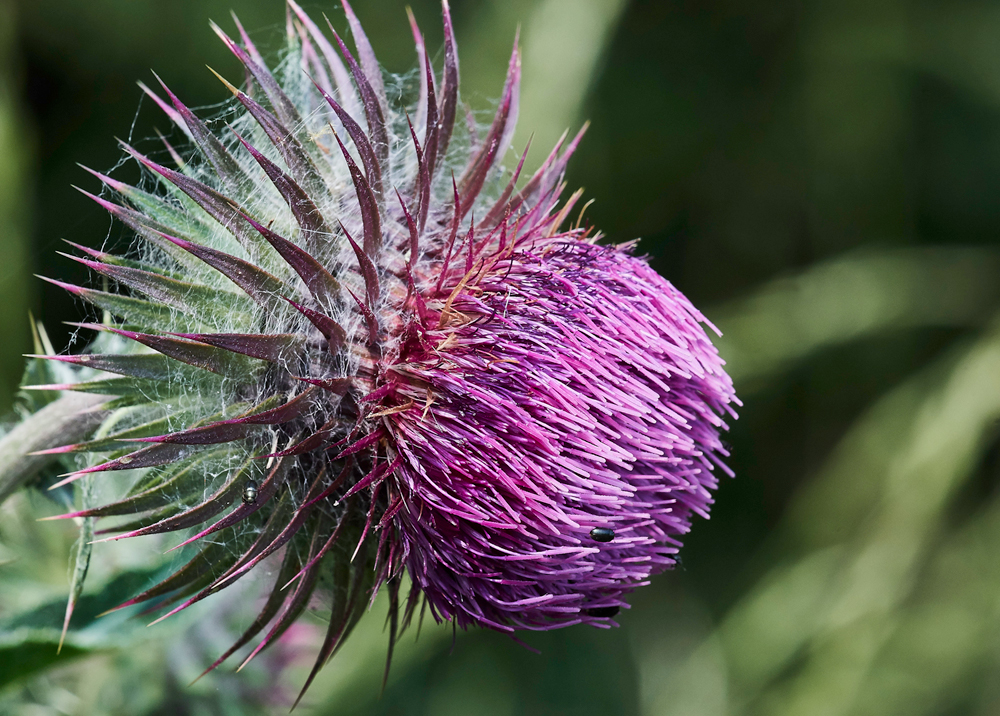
(347, 340)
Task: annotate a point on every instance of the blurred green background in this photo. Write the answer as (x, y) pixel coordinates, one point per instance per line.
(819, 177)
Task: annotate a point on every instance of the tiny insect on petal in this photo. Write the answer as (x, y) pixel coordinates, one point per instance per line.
(602, 534)
(602, 612)
(250, 492)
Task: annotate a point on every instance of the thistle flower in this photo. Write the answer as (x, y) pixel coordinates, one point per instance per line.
(346, 338)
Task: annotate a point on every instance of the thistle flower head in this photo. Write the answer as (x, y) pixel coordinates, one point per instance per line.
(347, 339)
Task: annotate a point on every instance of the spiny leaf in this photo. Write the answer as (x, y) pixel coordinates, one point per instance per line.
(172, 113)
(146, 520)
(218, 206)
(500, 207)
(257, 283)
(183, 275)
(373, 169)
(414, 237)
(81, 565)
(147, 229)
(267, 489)
(156, 210)
(449, 84)
(311, 62)
(393, 587)
(237, 428)
(423, 182)
(226, 167)
(307, 215)
(338, 628)
(326, 434)
(496, 139)
(293, 607)
(323, 286)
(175, 484)
(106, 258)
(289, 529)
(373, 111)
(196, 354)
(271, 528)
(427, 109)
(211, 506)
(300, 166)
(369, 206)
(432, 134)
(285, 110)
(373, 72)
(201, 564)
(273, 347)
(133, 310)
(186, 297)
(368, 271)
(418, 41)
(152, 456)
(151, 366)
(122, 387)
(277, 597)
(114, 441)
(331, 330)
(371, 320)
(345, 89)
(542, 182)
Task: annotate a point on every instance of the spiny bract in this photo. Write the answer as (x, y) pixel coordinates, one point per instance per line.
(345, 326)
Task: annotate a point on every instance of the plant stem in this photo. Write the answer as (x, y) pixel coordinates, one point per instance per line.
(67, 420)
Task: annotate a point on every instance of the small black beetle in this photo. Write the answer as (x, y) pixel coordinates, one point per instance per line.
(601, 611)
(602, 534)
(250, 492)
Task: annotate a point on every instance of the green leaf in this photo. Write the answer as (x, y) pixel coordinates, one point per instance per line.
(29, 642)
(851, 297)
(81, 563)
(848, 558)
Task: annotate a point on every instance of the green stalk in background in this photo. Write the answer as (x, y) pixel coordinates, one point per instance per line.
(15, 152)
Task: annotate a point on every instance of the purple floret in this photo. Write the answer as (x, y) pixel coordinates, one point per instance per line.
(578, 390)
